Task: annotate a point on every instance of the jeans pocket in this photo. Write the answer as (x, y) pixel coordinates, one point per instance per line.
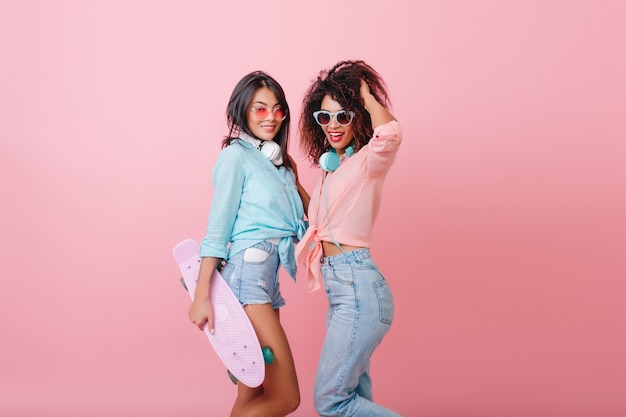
(255, 255)
(385, 301)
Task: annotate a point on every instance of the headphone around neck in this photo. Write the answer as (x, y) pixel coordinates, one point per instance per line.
(330, 161)
(269, 148)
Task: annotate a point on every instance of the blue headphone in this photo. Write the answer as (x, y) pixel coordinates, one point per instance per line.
(330, 161)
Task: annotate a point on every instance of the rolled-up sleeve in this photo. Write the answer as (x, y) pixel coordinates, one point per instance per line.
(383, 148)
(228, 179)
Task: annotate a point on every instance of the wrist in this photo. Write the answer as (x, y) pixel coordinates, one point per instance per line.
(368, 100)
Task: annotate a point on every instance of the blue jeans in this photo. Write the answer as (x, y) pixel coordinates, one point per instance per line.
(360, 313)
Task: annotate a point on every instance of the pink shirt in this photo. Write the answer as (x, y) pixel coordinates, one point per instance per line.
(353, 193)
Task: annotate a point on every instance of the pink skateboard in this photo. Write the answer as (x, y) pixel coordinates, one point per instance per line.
(234, 340)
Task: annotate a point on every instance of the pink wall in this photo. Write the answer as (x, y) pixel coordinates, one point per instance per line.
(503, 231)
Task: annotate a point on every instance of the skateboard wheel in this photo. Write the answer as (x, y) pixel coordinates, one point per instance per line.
(268, 355)
(182, 281)
(232, 378)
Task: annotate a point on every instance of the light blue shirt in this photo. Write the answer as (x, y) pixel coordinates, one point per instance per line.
(252, 201)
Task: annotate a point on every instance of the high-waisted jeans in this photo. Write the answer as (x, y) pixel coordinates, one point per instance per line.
(359, 315)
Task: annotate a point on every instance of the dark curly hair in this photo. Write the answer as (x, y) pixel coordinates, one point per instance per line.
(343, 84)
(238, 107)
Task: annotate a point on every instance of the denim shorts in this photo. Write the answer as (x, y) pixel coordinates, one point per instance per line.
(252, 275)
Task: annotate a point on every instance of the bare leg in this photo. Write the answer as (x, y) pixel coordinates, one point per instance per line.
(279, 395)
(245, 395)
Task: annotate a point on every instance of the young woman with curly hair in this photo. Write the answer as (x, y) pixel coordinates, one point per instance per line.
(346, 127)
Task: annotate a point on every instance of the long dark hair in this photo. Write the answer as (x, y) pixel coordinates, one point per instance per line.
(343, 84)
(238, 107)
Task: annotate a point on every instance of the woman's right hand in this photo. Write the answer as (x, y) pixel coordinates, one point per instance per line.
(201, 312)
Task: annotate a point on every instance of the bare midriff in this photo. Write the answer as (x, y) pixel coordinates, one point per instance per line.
(330, 249)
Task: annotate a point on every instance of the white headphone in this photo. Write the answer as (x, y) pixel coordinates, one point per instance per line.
(269, 148)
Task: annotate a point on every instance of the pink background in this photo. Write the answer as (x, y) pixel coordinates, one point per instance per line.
(502, 232)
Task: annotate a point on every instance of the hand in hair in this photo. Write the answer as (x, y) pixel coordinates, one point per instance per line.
(378, 113)
(365, 92)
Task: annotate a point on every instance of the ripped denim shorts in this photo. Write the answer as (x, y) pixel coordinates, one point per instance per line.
(252, 275)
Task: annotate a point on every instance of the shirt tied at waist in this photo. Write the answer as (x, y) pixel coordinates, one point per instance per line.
(309, 252)
(286, 249)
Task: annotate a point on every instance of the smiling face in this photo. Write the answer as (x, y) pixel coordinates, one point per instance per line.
(263, 124)
(337, 135)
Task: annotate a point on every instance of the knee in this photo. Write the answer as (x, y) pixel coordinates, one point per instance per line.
(321, 409)
(286, 400)
(323, 405)
(292, 404)
(286, 404)
(324, 411)
(329, 404)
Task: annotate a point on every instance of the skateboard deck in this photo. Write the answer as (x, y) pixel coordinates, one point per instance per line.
(234, 339)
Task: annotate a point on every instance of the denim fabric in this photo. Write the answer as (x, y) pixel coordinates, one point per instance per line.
(359, 315)
(252, 201)
(255, 280)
